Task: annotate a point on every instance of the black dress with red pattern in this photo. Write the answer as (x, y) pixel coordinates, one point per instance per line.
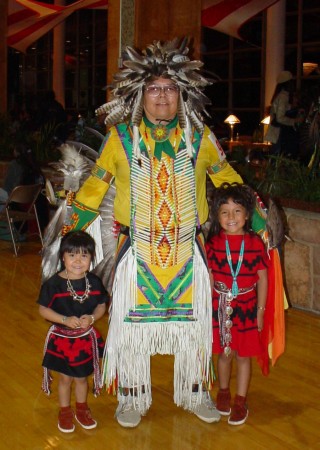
(244, 331)
(71, 356)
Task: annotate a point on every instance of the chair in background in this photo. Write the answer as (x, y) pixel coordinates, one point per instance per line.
(19, 209)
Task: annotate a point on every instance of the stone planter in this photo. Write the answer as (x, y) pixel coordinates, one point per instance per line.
(301, 259)
(298, 204)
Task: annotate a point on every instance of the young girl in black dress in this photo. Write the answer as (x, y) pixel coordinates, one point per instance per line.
(73, 300)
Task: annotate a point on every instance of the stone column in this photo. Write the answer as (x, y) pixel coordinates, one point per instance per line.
(58, 69)
(3, 55)
(275, 42)
(121, 24)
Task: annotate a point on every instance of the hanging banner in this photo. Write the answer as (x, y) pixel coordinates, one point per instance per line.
(228, 16)
(28, 20)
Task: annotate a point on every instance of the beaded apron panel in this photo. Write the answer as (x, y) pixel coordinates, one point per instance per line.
(163, 209)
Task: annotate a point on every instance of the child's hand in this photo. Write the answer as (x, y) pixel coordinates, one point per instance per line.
(72, 322)
(260, 315)
(86, 321)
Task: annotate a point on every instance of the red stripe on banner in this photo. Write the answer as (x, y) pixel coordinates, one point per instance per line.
(32, 4)
(39, 8)
(212, 15)
(20, 16)
(227, 16)
(28, 24)
(15, 38)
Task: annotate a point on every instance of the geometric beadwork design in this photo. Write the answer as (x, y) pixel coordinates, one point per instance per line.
(163, 209)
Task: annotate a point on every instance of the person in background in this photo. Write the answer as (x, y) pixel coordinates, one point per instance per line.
(238, 262)
(52, 113)
(285, 118)
(19, 170)
(73, 300)
(25, 170)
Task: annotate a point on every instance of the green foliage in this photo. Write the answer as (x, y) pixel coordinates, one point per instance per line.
(290, 179)
(277, 176)
(40, 141)
(42, 145)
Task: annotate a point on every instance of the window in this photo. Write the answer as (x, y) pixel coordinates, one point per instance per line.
(240, 63)
(85, 62)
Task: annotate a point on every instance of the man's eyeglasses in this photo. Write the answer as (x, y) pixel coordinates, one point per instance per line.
(168, 89)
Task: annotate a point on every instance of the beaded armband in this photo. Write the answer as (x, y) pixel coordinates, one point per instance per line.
(215, 168)
(82, 216)
(101, 173)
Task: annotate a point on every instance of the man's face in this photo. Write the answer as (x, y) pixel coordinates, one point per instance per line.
(162, 105)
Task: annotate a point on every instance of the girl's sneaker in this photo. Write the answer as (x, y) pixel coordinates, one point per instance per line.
(65, 420)
(83, 416)
(239, 411)
(223, 402)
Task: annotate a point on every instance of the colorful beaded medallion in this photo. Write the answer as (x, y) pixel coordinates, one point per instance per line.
(160, 133)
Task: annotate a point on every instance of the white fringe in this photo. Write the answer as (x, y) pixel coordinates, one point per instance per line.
(187, 135)
(136, 142)
(94, 230)
(130, 345)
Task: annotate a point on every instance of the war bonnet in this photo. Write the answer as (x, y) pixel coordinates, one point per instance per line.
(168, 60)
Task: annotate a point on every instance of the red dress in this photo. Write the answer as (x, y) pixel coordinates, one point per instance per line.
(244, 330)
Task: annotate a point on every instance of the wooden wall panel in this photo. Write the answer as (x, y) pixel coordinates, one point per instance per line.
(167, 19)
(161, 20)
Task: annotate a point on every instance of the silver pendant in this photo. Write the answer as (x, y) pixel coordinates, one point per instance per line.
(229, 296)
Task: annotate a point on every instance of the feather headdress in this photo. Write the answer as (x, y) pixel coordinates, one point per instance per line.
(168, 60)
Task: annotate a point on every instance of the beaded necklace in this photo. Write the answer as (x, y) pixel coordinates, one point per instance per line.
(234, 289)
(226, 309)
(74, 295)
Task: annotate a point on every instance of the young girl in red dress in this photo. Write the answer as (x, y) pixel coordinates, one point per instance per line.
(73, 300)
(238, 263)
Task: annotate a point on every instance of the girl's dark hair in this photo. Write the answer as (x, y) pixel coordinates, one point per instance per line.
(77, 241)
(238, 193)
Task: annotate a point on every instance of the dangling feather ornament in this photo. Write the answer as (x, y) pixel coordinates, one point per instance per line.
(274, 225)
(75, 169)
(72, 164)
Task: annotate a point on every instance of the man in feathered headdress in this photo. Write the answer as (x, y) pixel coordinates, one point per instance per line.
(158, 152)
